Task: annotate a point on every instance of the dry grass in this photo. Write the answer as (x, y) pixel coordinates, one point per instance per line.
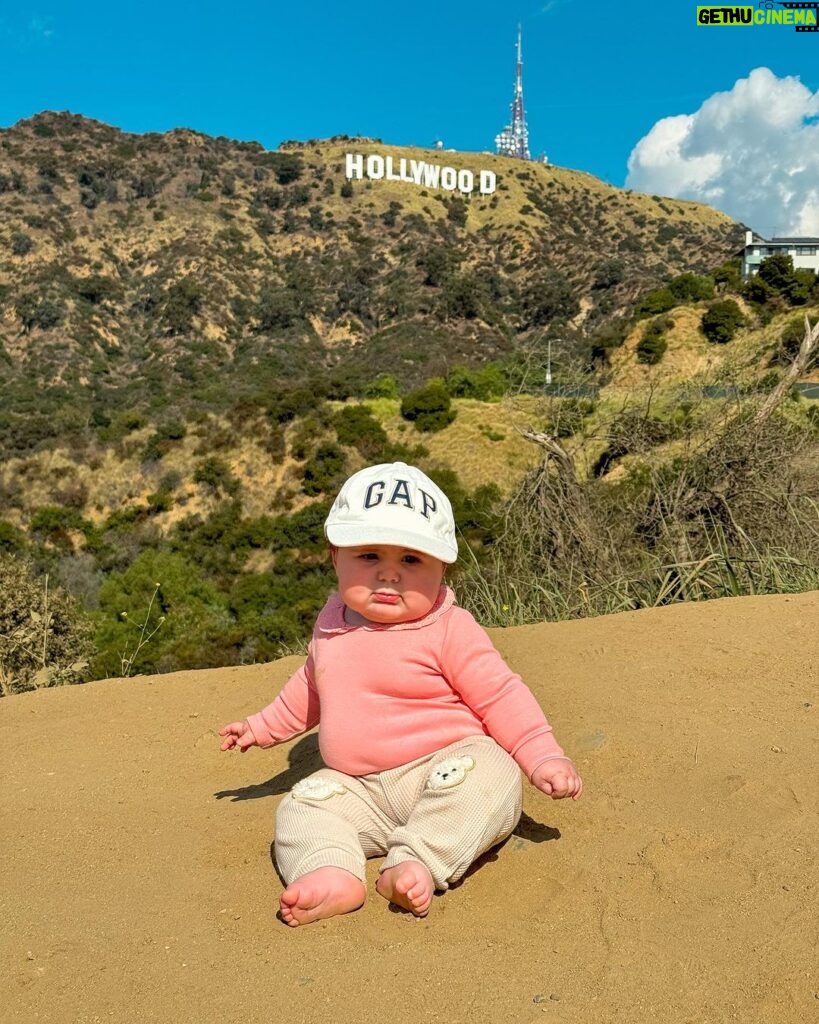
(482, 444)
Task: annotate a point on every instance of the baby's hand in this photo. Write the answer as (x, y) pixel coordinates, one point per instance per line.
(238, 734)
(558, 778)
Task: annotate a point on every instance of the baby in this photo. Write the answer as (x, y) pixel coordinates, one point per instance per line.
(422, 725)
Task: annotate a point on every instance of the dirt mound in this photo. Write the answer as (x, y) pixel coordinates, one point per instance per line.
(138, 883)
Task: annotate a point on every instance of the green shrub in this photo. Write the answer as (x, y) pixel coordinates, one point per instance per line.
(778, 278)
(691, 288)
(182, 302)
(278, 607)
(285, 405)
(777, 271)
(484, 384)
(462, 296)
(160, 443)
(215, 474)
(658, 301)
(287, 166)
(12, 540)
(356, 426)
(429, 407)
(166, 596)
(548, 297)
(652, 345)
(325, 472)
(52, 523)
(609, 273)
(721, 321)
(729, 275)
(303, 530)
(277, 309)
(384, 386)
(21, 244)
(457, 211)
(651, 349)
(44, 312)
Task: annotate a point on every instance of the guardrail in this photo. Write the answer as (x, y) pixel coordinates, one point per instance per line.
(808, 389)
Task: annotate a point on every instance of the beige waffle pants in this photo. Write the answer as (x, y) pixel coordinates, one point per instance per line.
(444, 810)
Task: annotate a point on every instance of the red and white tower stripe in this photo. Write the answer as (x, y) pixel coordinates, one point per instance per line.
(514, 139)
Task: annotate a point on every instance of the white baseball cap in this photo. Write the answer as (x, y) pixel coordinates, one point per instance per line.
(393, 504)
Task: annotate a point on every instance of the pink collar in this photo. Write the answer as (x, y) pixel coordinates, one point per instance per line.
(331, 616)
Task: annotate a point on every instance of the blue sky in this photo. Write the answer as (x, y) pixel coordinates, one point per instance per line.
(598, 77)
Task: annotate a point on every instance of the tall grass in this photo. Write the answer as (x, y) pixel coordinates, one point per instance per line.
(732, 509)
(497, 597)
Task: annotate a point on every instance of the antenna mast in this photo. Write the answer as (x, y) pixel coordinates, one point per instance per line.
(514, 139)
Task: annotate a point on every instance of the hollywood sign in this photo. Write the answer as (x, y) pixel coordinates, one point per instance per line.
(418, 172)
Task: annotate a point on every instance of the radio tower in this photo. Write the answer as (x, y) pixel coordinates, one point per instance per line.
(514, 139)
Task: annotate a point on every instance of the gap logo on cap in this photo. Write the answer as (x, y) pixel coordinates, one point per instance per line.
(374, 495)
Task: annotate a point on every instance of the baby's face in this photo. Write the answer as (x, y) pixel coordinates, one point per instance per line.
(385, 583)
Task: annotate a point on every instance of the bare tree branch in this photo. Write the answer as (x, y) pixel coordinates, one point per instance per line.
(808, 348)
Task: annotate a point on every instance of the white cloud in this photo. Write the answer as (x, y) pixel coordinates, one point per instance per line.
(22, 33)
(752, 152)
(41, 28)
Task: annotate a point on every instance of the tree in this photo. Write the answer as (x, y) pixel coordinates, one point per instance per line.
(778, 274)
(777, 271)
(463, 296)
(438, 263)
(484, 384)
(160, 586)
(728, 276)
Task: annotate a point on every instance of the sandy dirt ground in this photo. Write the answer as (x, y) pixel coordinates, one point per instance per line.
(137, 882)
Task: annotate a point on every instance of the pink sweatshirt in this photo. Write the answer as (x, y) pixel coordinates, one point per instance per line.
(388, 694)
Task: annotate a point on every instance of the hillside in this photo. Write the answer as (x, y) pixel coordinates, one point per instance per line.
(138, 884)
(199, 340)
(147, 271)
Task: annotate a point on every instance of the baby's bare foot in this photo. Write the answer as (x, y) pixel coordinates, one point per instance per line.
(409, 885)
(322, 893)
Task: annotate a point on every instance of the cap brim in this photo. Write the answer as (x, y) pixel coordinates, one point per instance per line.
(353, 537)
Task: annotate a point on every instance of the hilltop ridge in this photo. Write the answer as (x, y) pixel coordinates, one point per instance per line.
(142, 265)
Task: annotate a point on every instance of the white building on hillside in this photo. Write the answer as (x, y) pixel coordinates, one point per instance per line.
(804, 251)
